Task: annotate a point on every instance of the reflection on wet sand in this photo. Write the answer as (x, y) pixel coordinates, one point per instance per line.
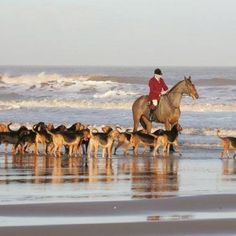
(146, 176)
(159, 175)
(120, 177)
(229, 166)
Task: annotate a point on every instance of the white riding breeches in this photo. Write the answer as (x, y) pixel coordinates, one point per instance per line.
(154, 102)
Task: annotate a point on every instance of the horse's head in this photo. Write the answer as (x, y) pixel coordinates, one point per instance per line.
(190, 88)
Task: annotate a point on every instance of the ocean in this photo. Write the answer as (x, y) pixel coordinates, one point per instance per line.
(104, 95)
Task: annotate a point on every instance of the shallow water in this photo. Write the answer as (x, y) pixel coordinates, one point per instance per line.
(161, 217)
(48, 179)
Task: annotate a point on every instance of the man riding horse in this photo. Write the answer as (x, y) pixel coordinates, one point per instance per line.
(157, 86)
(168, 111)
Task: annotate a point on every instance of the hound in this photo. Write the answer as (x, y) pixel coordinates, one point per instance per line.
(105, 140)
(124, 141)
(227, 143)
(148, 140)
(70, 139)
(172, 136)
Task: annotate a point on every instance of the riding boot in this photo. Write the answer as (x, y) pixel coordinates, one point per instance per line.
(152, 116)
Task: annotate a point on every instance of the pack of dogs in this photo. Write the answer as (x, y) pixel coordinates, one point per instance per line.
(79, 140)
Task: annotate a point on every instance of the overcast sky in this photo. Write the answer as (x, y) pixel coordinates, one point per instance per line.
(118, 32)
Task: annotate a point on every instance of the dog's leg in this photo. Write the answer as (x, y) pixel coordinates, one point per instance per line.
(166, 149)
(6, 147)
(126, 147)
(136, 150)
(117, 146)
(144, 150)
(226, 149)
(89, 148)
(45, 148)
(154, 152)
(176, 143)
(109, 151)
(234, 153)
(228, 153)
(55, 150)
(70, 150)
(13, 150)
(36, 152)
(96, 150)
(222, 154)
(89, 151)
(103, 152)
(59, 150)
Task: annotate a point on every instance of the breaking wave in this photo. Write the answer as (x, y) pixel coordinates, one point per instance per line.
(103, 104)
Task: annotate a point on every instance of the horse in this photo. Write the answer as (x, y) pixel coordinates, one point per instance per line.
(168, 110)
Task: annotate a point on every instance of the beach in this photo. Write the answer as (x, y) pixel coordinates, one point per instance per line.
(189, 195)
(192, 194)
(201, 215)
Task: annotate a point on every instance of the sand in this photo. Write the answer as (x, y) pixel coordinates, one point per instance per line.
(152, 210)
(191, 195)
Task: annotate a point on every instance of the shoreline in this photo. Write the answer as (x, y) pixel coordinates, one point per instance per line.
(182, 210)
(202, 227)
(201, 203)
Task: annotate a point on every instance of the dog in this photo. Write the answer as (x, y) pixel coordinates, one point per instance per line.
(106, 129)
(70, 139)
(104, 140)
(4, 128)
(12, 137)
(25, 141)
(76, 127)
(148, 140)
(43, 137)
(123, 140)
(227, 143)
(172, 137)
(85, 140)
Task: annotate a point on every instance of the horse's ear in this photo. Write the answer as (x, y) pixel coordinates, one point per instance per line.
(185, 77)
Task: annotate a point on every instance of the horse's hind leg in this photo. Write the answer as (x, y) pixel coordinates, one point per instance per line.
(148, 124)
(136, 123)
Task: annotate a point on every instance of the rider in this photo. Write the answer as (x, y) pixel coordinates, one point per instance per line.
(157, 86)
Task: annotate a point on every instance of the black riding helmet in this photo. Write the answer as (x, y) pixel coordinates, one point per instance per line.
(157, 71)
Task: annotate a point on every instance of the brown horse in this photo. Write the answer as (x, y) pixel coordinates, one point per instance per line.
(168, 110)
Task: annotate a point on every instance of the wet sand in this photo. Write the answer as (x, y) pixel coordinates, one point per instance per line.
(167, 216)
(191, 195)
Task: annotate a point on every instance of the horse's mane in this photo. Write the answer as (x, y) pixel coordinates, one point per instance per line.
(174, 87)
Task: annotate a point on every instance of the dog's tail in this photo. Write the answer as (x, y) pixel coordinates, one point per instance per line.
(128, 130)
(92, 132)
(8, 126)
(94, 129)
(49, 132)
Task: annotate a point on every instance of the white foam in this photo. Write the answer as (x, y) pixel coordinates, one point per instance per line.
(114, 93)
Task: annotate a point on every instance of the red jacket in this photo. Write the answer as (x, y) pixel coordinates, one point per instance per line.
(156, 88)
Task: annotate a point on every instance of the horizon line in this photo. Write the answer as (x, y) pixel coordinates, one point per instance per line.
(84, 65)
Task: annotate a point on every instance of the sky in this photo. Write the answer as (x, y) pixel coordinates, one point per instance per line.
(118, 32)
